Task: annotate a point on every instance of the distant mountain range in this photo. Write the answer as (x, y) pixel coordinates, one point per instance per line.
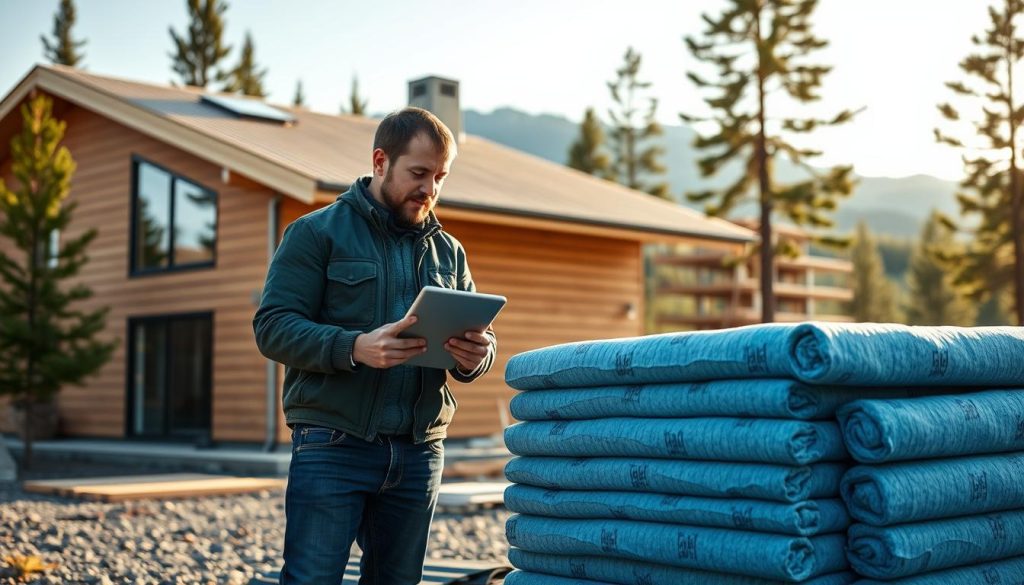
(894, 207)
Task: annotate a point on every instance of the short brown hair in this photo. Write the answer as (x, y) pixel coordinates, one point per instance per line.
(397, 130)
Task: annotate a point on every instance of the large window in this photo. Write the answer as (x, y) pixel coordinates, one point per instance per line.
(174, 221)
(169, 376)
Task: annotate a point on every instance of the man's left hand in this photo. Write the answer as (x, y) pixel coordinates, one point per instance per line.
(469, 350)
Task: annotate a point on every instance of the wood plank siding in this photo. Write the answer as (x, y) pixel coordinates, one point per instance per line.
(101, 186)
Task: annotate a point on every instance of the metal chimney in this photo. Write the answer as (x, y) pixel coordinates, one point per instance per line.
(441, 97)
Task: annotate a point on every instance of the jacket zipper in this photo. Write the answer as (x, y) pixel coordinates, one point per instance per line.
(423, 247)
(371, 429)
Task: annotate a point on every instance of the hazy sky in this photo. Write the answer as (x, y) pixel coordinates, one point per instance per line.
(542, 56)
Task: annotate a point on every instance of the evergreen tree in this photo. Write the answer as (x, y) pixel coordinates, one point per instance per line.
(300, 98)
(933, 300)
(64, 50)
(759, 47)
(632, 157)
(874, 296)
(896, 252)
(994, 311)
(197, 54)
(245, 78)
(992, 190)
(44, 342)
(586, 153)
(356, 105)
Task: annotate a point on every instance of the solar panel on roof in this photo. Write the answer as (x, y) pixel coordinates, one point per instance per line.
(248, 108)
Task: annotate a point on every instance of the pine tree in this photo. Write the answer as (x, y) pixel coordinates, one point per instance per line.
(44, 342)
(632, 157)
(64, 50)
(195, 56)
(993, 189)
(586, 153)
(300, 98)
(933, 300)
(994, 311)
(245, 77)
(356, 105)
(874, 296)
(759, 47)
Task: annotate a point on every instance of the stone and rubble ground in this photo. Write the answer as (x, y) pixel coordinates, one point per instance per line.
(220, 539)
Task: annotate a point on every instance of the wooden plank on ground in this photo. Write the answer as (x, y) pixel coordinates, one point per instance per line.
(65, 487)
(476, 468)
(468, 493)
(154, 486)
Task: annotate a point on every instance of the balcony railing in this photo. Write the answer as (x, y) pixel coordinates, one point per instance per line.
(782, 289)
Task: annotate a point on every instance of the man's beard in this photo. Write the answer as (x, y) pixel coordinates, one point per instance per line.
(397, 204)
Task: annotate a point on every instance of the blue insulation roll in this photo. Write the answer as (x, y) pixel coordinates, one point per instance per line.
(627, 572)
(762, 398)
(711, 479)
(912, 491)
(805, 518)
(908, 549)
(756, 440)
(754, 554)
(877, 431)
(756, 351)
(1005, 572)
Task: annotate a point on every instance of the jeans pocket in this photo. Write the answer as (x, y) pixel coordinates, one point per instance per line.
(311, 437)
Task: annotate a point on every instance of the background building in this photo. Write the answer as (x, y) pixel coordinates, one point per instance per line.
(696, 287)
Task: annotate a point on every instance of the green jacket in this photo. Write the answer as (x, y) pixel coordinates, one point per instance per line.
(327, 283)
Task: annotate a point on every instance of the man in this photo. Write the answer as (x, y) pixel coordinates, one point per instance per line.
(367, 430)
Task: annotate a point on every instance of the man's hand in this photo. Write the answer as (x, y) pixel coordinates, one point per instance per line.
(382, 348)
(469, 350)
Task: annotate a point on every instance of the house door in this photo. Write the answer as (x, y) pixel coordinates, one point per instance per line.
(170, 366)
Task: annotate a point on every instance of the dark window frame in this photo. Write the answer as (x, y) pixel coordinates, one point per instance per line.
(133, 270)
(129, 404)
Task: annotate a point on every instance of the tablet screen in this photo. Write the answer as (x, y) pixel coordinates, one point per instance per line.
(445, 313)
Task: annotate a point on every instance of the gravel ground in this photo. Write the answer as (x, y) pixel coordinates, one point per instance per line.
(226, 539)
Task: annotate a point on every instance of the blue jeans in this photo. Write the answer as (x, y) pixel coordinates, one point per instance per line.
(343, 489)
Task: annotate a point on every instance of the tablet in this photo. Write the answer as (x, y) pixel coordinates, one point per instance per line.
(443, 313)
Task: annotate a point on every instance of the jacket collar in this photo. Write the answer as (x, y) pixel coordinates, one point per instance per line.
(358, 195)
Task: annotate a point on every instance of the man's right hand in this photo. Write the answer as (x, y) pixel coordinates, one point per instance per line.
(382, 348)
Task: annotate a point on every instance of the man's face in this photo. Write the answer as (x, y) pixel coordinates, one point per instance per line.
(413, 182)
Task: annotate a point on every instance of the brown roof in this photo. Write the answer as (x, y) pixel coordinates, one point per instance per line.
(320, 154)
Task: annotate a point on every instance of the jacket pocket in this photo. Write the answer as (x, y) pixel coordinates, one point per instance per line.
(351, 295)
(448, 407)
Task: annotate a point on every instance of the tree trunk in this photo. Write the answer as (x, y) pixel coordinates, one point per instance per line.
(26, 453)
(1015, 194)
(764, 184)
(631, 158)
(1018, 247)
(30, 369)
